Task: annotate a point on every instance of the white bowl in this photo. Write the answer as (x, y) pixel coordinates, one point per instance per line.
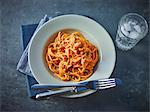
(94, 32)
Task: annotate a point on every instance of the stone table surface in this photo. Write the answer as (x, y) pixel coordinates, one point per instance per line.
(132, 67)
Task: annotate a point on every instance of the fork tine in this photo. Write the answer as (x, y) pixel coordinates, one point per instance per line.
(104, 80)
(116, 80)
(105, 87)
(106, 84)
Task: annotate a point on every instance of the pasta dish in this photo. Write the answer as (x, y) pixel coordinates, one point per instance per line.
(71, 57)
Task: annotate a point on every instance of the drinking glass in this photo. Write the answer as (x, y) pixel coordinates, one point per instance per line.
(131, 29)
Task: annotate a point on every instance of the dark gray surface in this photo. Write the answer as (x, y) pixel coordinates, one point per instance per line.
(131, 66)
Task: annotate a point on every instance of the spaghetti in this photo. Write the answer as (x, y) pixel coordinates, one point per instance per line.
(71, 57)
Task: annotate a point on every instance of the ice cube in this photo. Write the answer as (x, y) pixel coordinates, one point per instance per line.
(126, 33)
(127, 27)
(132, 22)
(133, 34)
(137, 28)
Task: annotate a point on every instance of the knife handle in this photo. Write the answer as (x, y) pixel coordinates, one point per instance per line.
(52, 86)
(49, 93)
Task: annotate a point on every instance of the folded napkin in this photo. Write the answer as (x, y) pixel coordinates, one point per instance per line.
(23, 65)
(27, 33)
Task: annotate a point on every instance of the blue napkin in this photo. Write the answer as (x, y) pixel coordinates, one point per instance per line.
(23, 66)
(27, 32)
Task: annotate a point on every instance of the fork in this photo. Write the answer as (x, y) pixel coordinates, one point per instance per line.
(94, 85)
